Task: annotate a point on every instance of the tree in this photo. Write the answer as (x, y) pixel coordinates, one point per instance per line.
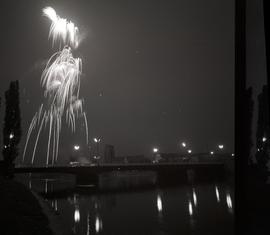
(12, 124)
(262, 134)
(249, 104)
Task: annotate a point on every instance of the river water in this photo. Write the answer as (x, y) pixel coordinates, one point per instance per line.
(203, 208)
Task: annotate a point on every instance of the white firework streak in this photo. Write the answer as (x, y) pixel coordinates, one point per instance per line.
(61, 82)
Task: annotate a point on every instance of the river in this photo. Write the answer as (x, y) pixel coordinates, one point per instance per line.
(202, 208)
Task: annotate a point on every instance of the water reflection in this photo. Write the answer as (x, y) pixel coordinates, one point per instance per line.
(46, 186)
(86, 212)
(159, 203)
(77, 215)
(88, 224)
(217, 194)
(229, 202)
(55, 205)
(194, 196)
(190, 209)
(98, 224)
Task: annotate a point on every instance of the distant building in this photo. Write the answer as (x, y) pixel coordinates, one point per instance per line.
(192, 157)
(131, 159)
(109, 153)
(170, 157)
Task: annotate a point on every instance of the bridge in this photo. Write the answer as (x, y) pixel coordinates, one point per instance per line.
(166, 172)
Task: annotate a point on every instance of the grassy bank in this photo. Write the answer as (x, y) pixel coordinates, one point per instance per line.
(21, 212)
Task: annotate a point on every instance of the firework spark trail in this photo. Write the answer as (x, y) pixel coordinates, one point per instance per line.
(61, 82)
(32, 125)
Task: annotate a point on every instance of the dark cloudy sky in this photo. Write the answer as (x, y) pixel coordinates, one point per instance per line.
(154, 72)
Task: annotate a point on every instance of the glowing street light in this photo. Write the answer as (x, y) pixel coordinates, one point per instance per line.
(76, 147)
(97, 140)
(212, 152)
(232, 154)
(264, 139)
(184, 144)
(221, 146)
(155, 150)
(11, 136)
(189, 151)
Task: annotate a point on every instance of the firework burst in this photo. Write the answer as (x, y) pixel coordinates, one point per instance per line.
(61, 82)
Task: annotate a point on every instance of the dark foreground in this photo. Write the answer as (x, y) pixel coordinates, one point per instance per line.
(21, 212)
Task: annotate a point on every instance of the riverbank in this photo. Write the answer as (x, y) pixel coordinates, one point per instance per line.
(21, 212)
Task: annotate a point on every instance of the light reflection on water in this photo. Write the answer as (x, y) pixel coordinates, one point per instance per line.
(217, 194)
(159, 203)
(77, 215)
(190, 210)
(183, 209)
(194, 197)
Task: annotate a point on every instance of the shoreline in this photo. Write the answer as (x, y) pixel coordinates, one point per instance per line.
(22, 212)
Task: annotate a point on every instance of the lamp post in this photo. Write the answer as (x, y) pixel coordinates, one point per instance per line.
(155, 152)
(76, 147)
(220, 146)
(11, 136)
(97, 141)
(74, 157)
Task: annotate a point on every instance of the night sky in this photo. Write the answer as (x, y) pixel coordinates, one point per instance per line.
(155, 73)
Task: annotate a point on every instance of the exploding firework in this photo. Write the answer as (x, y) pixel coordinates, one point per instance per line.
(61, 82)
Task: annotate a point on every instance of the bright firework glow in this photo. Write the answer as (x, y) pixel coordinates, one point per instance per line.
(61, 82)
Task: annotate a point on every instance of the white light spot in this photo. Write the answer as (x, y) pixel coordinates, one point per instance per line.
(194, 197)
(97, 224)
(221, 146)
(159, 203)
(217, 194)
(229, 202)
(76, 147)
(190, 210)
(77, 215)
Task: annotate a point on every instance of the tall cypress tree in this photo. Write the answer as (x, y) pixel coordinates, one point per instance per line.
(249, 105)
(263, 127)
(12, 124)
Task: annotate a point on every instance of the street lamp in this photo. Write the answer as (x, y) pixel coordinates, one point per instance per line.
(184, 144)
(212, 152)
(189, 151)
(97, 141)
(155, 154)
(11, 136)
(221, 146)
(76, 147)
(264, 139)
